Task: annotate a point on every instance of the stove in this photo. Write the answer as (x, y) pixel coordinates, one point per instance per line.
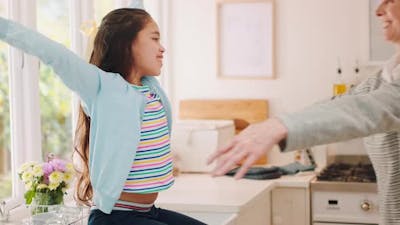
(345, 193)
(345, 172)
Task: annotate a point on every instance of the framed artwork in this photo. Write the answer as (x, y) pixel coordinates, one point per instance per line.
(245, 39)
(379, 49)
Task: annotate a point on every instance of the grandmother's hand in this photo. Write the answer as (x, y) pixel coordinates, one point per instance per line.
(253, 142)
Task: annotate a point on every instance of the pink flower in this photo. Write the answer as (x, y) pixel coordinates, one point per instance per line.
(58, 165)
(47, 169)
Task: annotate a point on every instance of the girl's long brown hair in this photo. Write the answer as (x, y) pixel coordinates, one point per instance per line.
(112, 52)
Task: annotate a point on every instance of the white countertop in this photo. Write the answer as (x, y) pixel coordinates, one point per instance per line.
(203, 193)
(300, 180)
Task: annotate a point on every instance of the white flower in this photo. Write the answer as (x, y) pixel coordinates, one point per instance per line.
(28, 185)
(26, 167)
(53, 186)
(56, 178)
(37, 171)
(27, 176)
(69, 167)
(23, 168)
(68, 177)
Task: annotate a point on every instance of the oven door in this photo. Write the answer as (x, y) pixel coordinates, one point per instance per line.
(341, 207)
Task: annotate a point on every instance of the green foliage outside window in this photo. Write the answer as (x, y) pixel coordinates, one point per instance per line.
(55, 107)
(4, 103)
(5, 179)
(55, 98)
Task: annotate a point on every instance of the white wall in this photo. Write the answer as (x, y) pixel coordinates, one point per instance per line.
(310, 35)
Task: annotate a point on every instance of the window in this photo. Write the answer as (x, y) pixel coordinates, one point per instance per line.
(55, 97)
(5, 156)
(101, 8)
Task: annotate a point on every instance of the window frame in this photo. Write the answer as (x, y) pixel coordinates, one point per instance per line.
(24, 89)
(24, 113)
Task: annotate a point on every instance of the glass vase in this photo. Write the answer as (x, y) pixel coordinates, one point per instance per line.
(44, 202)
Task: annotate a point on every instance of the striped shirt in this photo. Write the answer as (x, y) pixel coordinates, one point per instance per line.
(384, 152)
(151, 170)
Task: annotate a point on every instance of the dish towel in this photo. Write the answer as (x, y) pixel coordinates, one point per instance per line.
(259, 173)
(295, 167)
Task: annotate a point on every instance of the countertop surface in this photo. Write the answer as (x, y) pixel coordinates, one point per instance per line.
(202, 193)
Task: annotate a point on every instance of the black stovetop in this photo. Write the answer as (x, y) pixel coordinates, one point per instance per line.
(345, 172)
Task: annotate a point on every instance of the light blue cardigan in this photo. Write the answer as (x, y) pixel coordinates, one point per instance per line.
(114, 106)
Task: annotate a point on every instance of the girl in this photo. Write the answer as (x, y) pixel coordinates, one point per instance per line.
(124, 123)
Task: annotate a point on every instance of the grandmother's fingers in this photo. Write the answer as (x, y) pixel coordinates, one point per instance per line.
(220, 152)
(230, 161)
(246, 165)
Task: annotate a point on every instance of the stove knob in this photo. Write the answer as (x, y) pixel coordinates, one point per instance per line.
(365, 206)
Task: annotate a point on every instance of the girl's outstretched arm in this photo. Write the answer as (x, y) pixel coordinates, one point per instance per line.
(80, 76)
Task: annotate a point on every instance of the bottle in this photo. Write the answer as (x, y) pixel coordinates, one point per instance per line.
(356, 80)
(339, 87)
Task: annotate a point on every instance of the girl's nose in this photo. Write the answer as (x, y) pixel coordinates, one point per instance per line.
(380, 9)
(162, 49)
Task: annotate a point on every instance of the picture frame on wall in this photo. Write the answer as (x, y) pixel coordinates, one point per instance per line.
(245, 39)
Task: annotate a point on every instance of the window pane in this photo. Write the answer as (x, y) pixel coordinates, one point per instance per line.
(101, 8)
(55, 98)
(5, 156)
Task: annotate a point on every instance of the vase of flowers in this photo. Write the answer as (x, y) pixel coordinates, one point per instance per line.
(46, 183)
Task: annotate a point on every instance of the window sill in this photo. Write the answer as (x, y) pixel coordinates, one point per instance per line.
(21, 212)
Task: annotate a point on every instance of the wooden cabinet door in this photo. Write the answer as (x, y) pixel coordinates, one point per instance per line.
(290, 206)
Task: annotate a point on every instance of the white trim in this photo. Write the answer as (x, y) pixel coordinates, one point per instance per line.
(77, 47)
(163, 15)
(30, 86)
(167, 77)
(80, 11)
(121, 3)
(16, 128)
(24, 98)
(76, 20)
(159, 10)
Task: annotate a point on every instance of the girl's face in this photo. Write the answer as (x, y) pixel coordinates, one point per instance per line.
(389, 13)
(148, 51)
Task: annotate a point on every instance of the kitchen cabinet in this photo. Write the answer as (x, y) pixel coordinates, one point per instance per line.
(291, 205)
(256, 213)
(220, 200)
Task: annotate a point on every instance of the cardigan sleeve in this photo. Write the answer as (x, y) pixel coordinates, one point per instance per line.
(348, 117)
(78, 75)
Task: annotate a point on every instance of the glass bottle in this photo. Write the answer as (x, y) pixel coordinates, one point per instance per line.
(339, 87)
(356, 79)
